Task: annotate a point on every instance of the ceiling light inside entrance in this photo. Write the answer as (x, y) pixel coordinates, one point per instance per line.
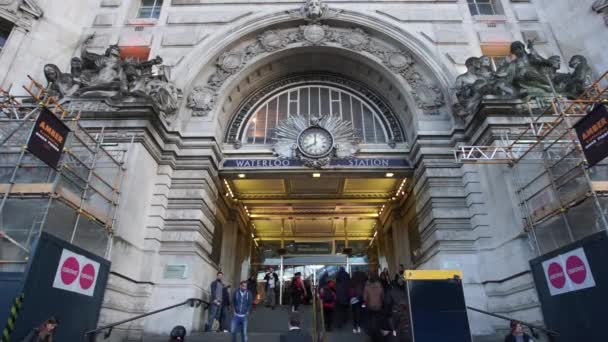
(389, 174)
(241, 175)
(316, 175)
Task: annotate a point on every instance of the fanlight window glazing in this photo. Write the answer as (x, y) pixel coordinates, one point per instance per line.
(314, 101)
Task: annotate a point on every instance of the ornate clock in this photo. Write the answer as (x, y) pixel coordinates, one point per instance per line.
(315, 142)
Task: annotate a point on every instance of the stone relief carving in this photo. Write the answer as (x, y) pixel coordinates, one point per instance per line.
(601, 7)
(314, 11)
(201, 100)
(526, 75)
(428, 96)
(114, 80)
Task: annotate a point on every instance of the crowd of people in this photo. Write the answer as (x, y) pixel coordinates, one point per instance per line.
(378, 303)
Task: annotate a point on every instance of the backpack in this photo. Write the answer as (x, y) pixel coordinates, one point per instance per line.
(328, 296)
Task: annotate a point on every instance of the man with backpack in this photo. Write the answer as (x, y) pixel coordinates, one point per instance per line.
(373, 299)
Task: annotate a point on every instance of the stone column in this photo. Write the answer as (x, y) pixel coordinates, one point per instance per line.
(130, 284)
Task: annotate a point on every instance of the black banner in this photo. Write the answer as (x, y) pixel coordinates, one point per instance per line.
(572, 285)
(592, 132)
(48, 138)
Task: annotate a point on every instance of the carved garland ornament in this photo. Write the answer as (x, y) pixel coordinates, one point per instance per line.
(428, 97)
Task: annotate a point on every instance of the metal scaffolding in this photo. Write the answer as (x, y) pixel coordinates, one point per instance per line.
(76, 202)
(561, 198)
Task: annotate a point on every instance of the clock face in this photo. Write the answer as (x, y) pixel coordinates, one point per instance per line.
(315, 142)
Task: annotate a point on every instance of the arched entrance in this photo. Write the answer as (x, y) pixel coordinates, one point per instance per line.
(369, 192)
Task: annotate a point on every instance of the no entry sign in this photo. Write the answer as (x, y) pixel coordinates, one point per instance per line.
(568, 272)
(76, 273)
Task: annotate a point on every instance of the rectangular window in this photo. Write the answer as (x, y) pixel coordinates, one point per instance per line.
(484, 7)
(150, 9)
(5, 30)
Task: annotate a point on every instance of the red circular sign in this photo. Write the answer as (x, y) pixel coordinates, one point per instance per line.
(69, 270)
(557, 278)
(87, 277)
(575, 267)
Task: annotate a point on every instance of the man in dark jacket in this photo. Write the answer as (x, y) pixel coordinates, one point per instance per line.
(224, 323)
(396, 306)
(400, 273)
(517, 333)
(272, 283)
(216, 295)
(343, 297)
(242, 306)
(295, 334)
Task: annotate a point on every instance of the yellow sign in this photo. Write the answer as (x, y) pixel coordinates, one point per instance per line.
(432, 274)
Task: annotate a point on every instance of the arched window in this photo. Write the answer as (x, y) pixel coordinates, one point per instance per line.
(314, 100)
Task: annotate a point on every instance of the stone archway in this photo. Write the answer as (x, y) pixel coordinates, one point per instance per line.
(414, 73)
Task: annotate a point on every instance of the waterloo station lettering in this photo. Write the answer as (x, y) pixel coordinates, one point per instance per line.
(294, 163)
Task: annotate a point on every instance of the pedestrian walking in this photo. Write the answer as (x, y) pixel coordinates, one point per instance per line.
(217, 294)
(225, 311)
(400, 273)
(328, 298)
(252, 286)
(178, 334)
(298, 291)
(397, 311)
(43, 333)
(373, 300)
(343, 297)
(385, 279)
(242, 307)
(295, 333)
(356, 300)
(517, 333)
(272, 281)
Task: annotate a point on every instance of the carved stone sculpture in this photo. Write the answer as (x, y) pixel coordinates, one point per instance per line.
(600, 6)
(314, 11)
(201, 100)
(59, 84)
(425, 92)
(526, 75)
(108, 77)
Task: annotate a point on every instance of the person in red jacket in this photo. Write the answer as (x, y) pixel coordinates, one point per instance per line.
(328, 297)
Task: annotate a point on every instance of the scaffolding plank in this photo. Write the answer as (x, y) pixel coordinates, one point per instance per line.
(27, 188)
(600, 186)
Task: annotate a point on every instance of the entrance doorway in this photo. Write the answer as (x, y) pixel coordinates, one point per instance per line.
(315, 271)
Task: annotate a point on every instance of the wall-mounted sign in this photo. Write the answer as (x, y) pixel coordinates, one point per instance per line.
(48, 138)
(568, 272)
(309, 248)
(355, 163)
(592, 132)
(175, 272)
(76, 273)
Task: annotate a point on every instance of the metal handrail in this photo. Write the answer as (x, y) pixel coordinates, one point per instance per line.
(552, 334)
(90, 335)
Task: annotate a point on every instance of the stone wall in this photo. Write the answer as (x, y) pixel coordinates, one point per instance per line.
(574, 38)
(173, 201)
